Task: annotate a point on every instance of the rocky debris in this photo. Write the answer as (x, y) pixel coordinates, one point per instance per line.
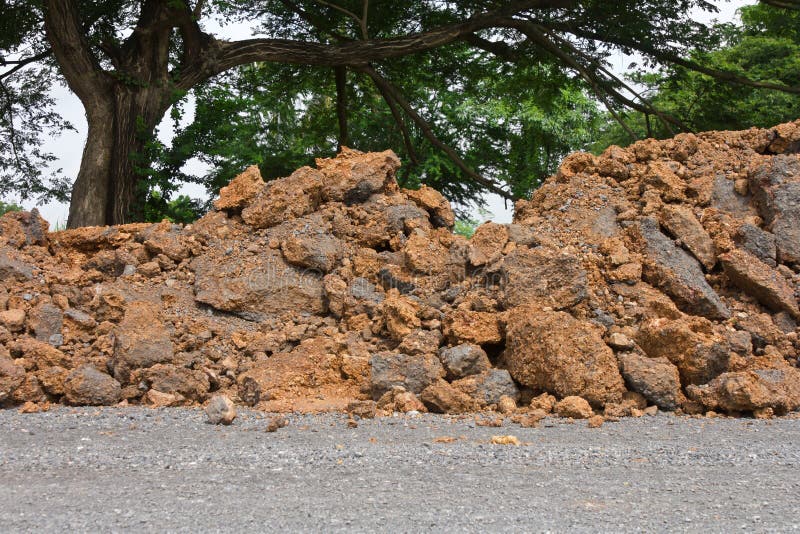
(595, 421)
(442, 397)
(574, 407)
(655, 378)
(464, 360)
(413, 373)
(220, 410)
(776, 188)
(88, 386)
(661, 275)
(757, 279)
(276, 423)
(676, 273)
(554, 352)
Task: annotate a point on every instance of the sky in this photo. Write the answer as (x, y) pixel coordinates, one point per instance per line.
(68, 146)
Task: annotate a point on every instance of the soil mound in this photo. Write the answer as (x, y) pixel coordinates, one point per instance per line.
(666, 274)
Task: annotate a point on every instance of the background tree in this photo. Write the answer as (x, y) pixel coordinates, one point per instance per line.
(129, 61)
(766, 45)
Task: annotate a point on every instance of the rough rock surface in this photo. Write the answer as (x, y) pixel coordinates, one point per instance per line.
(666, 273)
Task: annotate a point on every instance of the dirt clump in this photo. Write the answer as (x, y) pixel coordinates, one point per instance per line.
(661, 276)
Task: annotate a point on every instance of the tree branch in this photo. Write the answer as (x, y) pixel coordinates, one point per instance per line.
(398, 119)
(220, 56)
(423, 125)
(22, 63)
(80, 68)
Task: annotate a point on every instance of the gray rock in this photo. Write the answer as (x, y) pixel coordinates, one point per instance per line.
(88, 386)
(488, 387)
(678, 274)
(724, 198)
(464, 360)
(220, 410)
(414, 373)
(14, 270)
(776, 192)
(757, 242)
(46, 321)
(655, 378)
(522, 235)
(316, 251)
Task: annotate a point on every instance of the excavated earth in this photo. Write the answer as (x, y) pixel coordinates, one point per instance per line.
(661, 276)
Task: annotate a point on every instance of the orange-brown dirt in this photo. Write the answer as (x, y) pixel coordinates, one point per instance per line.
(665, 274)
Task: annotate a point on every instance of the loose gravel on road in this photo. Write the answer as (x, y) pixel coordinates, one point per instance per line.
(116, 469)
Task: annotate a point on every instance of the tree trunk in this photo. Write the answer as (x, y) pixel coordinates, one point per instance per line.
(105, 190)
(89, 200)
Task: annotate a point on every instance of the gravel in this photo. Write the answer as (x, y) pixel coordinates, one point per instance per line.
(115, 469)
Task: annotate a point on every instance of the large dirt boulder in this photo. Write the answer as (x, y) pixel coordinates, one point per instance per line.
(141, 341)
(655, 378)
(554, 352)
(413, 373)
(88, 386)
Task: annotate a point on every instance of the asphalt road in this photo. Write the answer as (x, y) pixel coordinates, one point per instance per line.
(166, 470)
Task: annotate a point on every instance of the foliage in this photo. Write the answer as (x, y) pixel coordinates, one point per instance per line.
(181, 209)
(766, 46)
(466, 227)
(5, 207)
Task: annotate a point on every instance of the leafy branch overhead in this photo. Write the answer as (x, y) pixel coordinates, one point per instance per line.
(130, 61)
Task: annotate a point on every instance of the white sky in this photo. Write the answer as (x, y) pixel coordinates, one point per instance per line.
(68, 146)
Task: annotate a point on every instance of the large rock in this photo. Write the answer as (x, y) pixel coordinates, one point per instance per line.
(441, 397)
(11, 377)
(544, 277)
(256, 285)
(681, 223)
(46, 321)
(744, 391)
(464, 360)
(88, 386)
(757, 242)
(759, 280)
(142, 340)
(317, 252)
(489, 387)
(13, 270)
(554, 352)
(241, 190)
(189, 383)
(414, 373)
(689, 344)
(678, 274)
(352, 177)
(655, 378)
(435, 204)
(285, 199)
(22, 228)
(776, 191)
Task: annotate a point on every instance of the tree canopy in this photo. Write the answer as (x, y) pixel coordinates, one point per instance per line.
(466, 91)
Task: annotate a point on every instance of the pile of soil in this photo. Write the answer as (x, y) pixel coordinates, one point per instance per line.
(666, 274)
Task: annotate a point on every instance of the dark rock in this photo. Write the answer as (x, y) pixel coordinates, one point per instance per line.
(167, 378)
(320, 251)
(488, 387)
(464, 360)
(724, 198)
(14, 270)
(681, 223)
(757, 242)
(655, 378)
(22, 228)
(678, 274)
(776, 192)
(88, 386)
(414, 373)
(142, 341)
(46, 321)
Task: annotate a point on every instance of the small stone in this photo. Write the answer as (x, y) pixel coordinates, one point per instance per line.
(506, 405)
(363, 409)
(276, 423)
(574, 407)
(618, 341)
(221, 410)
(596, 421)
(30, 407)
(505, 440)
(158, 399)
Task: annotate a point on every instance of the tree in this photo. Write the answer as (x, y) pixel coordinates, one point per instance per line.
(766, 45)
(128, 61)
(512, 129)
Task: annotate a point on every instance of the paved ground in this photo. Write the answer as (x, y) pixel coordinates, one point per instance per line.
(166, 470)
